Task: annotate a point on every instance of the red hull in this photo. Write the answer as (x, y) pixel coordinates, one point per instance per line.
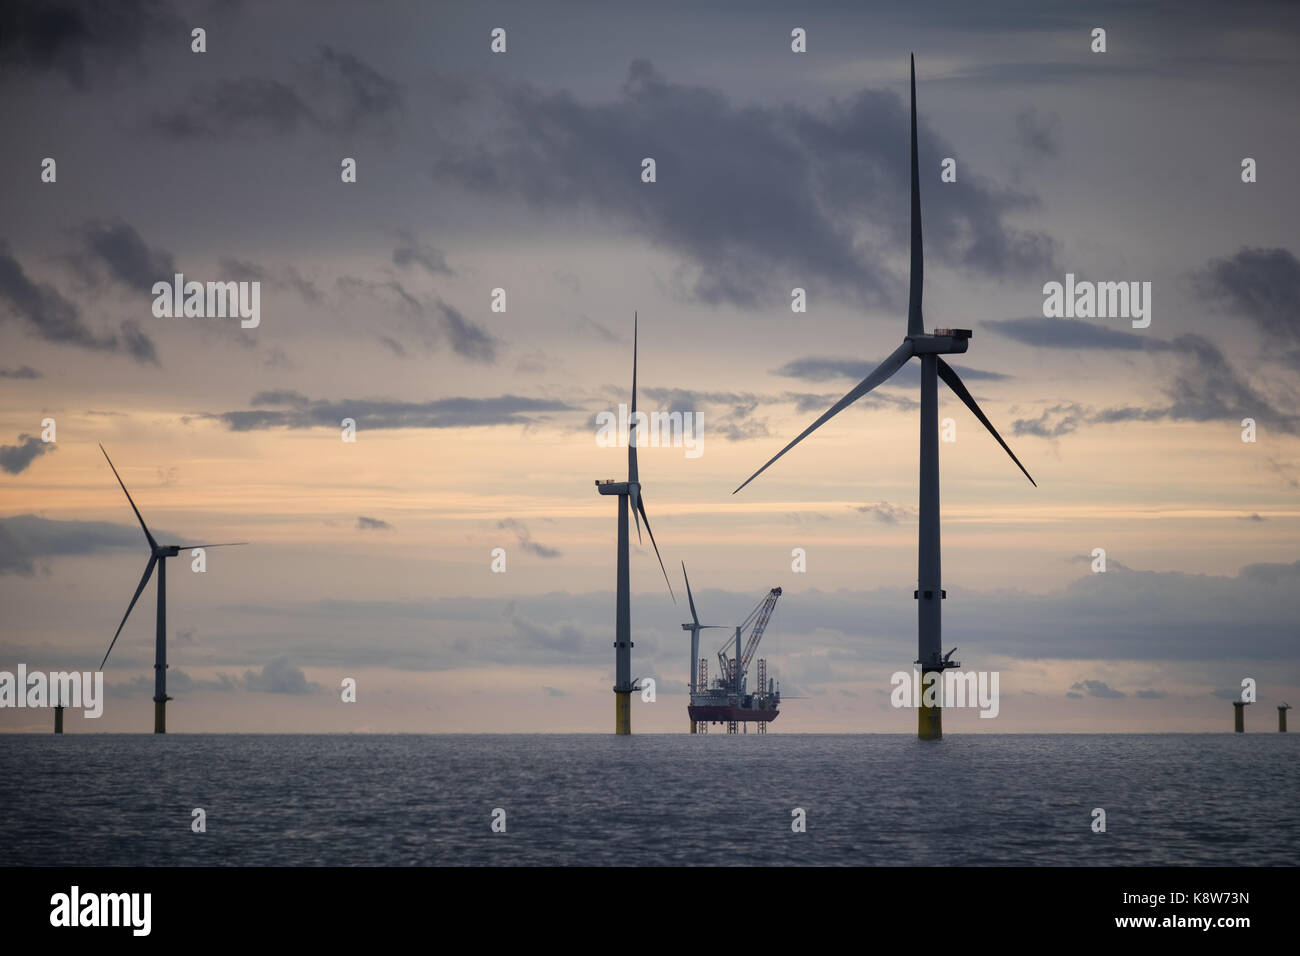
(723, 714)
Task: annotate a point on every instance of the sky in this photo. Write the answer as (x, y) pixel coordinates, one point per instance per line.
(476, 429)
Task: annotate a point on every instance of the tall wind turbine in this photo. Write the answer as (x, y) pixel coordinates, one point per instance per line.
(694, 627)
(928, 347)
(629, 494)
(158, 555)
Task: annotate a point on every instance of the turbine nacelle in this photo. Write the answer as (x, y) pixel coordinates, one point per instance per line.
(940, 342)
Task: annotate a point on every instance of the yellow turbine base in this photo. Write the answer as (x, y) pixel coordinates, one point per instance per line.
(696, 731)
(58, 720)
(160, 717)
(929, 722)
(622, 712)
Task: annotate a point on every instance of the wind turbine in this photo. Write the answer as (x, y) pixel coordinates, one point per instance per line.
(928, 347)
(629, 494)
(158, 555)
(694, 627)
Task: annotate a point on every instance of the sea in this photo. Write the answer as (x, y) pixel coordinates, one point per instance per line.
(649, 800)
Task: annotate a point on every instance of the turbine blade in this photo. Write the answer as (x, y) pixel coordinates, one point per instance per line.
(148, 572)
(143, 526)
(915, 324)
(223, 544)
(959, 389)
(641, 507)
(634, 494)
(883, 371)
(632, 473)
(691, 598)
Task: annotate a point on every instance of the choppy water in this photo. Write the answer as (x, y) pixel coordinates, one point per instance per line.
(577, 799)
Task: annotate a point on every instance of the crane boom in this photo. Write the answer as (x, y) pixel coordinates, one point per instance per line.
(764, 614)
(733, 670)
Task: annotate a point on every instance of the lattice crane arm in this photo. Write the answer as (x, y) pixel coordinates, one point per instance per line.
(764, 614)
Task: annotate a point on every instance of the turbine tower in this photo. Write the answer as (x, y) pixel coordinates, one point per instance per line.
(158, 555)
(694, 627)
(629, 496)
(927, 347)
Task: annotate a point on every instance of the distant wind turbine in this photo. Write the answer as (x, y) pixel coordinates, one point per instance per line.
(158, 555)
(694, 627)
(629, 492)
(927, 348)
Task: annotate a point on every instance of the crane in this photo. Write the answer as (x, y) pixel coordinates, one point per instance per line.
(758, 619)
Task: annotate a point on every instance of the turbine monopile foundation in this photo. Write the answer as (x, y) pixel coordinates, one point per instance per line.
(1239, 716)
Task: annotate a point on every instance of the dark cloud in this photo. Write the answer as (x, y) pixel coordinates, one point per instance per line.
(1071, 334)
(525, 539)
(287, 277)
(249, 104)
(123, 252)
(467, 339)
(756, 199)
(1150, 694)
(427, 321)
(1038, 135)
(372, 524)
(1206, 388)
(23, 371)
(280, 677)
(409, 252)
(1262, 285)
(730, 413)
(79, 37)
(138, 345)
(46, 313)
(333, 93)
(1053, 422)
(15, 458)
(806, 402)
(297, 411)
(23, 538)
(1096, 688)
